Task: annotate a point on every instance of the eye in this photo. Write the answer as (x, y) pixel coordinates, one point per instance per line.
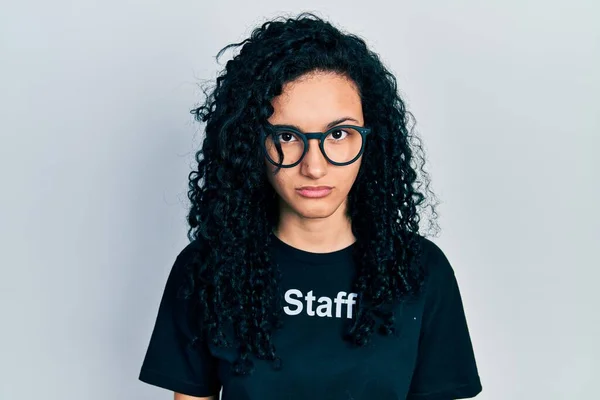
(286, 137)
(338, 134)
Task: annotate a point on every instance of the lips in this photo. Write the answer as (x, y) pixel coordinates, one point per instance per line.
(314, 192)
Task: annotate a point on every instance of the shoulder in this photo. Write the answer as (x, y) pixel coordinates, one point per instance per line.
(435, 264)
(188, 252)
(434, 257)
(179, 281)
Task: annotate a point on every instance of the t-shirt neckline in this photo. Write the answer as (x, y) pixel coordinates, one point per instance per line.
(339, 256)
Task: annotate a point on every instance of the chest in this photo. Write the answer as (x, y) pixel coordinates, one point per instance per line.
(317, 363)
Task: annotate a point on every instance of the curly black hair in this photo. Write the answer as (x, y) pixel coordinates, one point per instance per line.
(234, 209)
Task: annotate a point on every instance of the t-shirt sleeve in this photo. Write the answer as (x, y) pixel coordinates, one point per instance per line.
(170, 361)
(446, 367)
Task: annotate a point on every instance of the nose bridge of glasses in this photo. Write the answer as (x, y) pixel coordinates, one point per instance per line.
(314, 135)
(317, 136)
(316, 146)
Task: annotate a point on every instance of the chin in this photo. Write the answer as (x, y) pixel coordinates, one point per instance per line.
(315, 215)
(316, 211)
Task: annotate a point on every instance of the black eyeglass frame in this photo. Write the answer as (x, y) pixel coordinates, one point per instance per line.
(306, 136)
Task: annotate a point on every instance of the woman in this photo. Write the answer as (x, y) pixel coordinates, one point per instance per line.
(305, 277)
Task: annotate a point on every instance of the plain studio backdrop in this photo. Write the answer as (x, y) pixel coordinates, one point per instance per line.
(96, 144)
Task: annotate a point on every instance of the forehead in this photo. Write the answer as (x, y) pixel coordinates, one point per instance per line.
(314, 100)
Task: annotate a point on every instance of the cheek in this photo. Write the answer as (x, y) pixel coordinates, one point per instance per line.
(278, 181)
(269, 171)
(350, 176)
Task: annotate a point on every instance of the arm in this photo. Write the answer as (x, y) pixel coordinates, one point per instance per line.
(445, 367)
(179, 396)
(173, 360)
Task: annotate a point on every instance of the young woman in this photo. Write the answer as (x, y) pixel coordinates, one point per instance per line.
(305, 276)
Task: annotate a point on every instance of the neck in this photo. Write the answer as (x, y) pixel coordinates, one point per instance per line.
(316, 235)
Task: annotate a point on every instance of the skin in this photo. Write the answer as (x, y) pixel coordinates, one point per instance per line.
(311, 102)
(179, 396)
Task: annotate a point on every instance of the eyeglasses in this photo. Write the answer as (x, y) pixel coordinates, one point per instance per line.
(286, 146)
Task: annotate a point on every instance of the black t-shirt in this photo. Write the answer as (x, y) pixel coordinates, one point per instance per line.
(430, 359)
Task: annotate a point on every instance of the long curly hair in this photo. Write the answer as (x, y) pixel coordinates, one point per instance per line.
(234, 209)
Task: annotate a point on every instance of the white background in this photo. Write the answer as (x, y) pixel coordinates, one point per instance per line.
(96, 144)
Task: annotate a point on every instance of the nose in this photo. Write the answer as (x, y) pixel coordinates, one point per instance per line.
(314, 164)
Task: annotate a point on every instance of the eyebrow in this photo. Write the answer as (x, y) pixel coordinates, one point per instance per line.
(329, 125)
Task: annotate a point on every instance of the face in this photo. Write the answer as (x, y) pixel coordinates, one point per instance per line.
(311, 103)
